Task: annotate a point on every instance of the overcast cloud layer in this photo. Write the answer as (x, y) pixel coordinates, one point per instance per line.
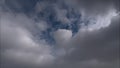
(59, 33)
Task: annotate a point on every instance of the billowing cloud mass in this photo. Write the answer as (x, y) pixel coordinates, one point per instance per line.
(59, 33)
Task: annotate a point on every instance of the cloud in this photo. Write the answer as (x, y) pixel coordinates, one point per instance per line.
(93, 49)
(62, 35)
(96, 6)
(95, 45)
(100, 21)
(19, 44)
(102, 44)
(61, 15)
(42, 25)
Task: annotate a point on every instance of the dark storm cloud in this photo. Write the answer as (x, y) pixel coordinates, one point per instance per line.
(21, 5)
(93, 49)
(102, 44)
(20, 35)
(97, 6)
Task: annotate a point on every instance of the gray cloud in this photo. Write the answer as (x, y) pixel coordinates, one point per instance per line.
(94, 46)
(100, 44)
(97, 6)
(93, 49)
(18, 44)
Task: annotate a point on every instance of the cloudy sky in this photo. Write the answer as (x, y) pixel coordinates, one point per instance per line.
(59, 33)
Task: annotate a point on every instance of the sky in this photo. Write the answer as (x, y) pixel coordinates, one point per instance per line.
(59, 33)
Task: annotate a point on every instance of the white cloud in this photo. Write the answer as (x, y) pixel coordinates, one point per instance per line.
(62, 36)
(100, 21)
